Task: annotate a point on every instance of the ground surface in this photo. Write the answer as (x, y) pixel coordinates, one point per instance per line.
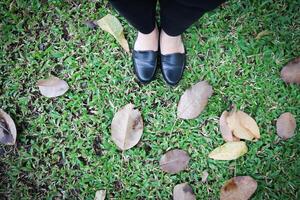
(64, 148)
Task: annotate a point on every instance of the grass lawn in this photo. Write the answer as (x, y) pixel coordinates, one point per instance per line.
(64, 148)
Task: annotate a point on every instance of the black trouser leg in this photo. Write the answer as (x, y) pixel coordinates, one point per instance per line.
(177, 15)
(139, 13)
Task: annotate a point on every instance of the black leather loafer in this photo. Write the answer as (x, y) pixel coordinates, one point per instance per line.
(172, 67)
(145, 64)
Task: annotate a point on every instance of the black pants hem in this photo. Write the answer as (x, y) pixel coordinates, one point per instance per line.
(175, 15)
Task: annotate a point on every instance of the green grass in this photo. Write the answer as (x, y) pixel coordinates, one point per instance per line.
(64, 148)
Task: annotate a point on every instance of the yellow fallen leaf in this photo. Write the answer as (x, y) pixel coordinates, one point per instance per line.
(112, 25)
(229, 151)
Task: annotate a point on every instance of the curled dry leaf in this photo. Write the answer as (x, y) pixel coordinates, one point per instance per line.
(100, 195)
(52, 87)
(225, 129)
(174, 161)
(127, 127)
(291, 72)
(183, 192)
(242, 125)
(229, 151)
(112, 25)
(286, 125)
(238, 188)
(194, 100)
(8, 131)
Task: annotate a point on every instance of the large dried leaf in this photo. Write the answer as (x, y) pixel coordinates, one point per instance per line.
(286, 125)
(52, 87)
(229, 151)
(291, 72)
(174, 161)
(8, 131)
(183, 192)
(238, 188)
(100, 195)
(242, 125)
(113, 26)
(194, 100)
(127, 127)
(225, 129)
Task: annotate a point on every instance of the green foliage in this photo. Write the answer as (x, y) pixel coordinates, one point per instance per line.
(55, 154)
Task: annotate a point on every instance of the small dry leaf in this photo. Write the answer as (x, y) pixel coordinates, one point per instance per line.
(127, 127)
(291, 72)
(112, 25)
(174, 161)
(100, 195)
(183, 192)
(225, 129)
(52, 87)
(262, 34)
(8, 131)
(204, 176)
(242, 125)
(229, 151)
(286, 125)
(238, 188)
(194, 100)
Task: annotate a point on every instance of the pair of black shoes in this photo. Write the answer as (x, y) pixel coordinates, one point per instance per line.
(146, 62)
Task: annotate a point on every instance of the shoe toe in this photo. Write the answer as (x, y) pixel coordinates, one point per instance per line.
(145, 63)
(172, 67)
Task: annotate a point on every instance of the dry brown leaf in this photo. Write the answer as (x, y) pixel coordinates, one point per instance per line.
(127, 127)
(112, 25)
(174, 161)
(291, 72)
(225, 129)
(238, 188)
(229, 151)
(8, 131)
(194, 100)
(286, 125)
(183, 192)
(52, 87)
(100, 195)
(242, 125)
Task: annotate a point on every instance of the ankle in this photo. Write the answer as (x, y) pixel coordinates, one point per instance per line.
(170, 44)
(148, 41)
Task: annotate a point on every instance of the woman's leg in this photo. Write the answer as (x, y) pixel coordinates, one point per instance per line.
(178, 15)
(141, 15)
